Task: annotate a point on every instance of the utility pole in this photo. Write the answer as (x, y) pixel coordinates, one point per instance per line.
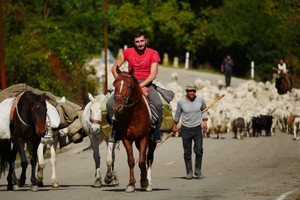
(2, 53)
(105, 46)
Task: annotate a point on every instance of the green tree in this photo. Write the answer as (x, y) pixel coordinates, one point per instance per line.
(51, 42)
(47, 42)
(258, 28)
(171, 25)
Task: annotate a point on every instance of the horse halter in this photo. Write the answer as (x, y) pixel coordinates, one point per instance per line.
(20, 118)
(95, 121)
(126, 98)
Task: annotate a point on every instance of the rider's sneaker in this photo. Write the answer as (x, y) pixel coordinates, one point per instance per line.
(199, 176)
(157, 141)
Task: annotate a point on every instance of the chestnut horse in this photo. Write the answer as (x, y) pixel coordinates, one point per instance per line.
(28, 125)
(133, 121)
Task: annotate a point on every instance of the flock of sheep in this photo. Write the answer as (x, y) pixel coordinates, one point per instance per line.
(247, 110)
(247, 103)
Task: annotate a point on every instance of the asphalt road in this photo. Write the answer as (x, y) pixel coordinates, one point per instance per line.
(185, 76)
(261, 168)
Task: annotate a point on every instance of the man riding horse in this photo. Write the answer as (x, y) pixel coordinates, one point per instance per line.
(283, 80)
(144, 61)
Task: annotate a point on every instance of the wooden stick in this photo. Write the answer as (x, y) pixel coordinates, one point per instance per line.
(213, 103)
(208, 107)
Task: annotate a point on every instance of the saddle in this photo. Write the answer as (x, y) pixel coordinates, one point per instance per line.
(167, 117)
(166, 96)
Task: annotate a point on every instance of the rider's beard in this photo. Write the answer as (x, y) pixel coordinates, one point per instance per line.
(140, 49)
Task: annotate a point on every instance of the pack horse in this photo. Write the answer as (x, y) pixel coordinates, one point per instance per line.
(28, 125)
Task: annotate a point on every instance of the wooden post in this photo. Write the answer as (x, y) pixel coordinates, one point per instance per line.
(2, 53)
(105, 47)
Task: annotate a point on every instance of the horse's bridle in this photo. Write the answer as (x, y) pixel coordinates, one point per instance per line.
(128, 97)
(20, 118)
(28, 125)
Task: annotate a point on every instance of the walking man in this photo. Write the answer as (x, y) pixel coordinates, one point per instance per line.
(226, 67)
(193, 123)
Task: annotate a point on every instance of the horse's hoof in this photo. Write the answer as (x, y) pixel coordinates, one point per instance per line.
(115, 182)
(16, 188)
(107, 180)
(13, 187)
(40, 183)
(9, 187)
(149, 188)
(97, 184)
(55, 184)
(34, 188)
(130, 188)
(20, 182)
(144, 184)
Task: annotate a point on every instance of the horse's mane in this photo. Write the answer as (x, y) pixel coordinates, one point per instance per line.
(138, 93)
(35, 97)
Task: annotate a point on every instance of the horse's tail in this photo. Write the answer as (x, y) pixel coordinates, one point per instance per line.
(5, 148)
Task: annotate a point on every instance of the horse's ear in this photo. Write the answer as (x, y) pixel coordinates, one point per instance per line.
(91, 97)
(131, 71)
(62, 100)
(44, 96)
(118, 70)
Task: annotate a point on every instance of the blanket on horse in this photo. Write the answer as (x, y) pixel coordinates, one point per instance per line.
(69, 112)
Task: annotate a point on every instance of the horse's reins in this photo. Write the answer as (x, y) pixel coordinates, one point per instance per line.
(128, 97)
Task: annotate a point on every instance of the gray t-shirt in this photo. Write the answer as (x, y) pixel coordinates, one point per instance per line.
(190, 112)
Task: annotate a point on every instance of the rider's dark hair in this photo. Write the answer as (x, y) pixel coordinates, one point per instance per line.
(137, 34)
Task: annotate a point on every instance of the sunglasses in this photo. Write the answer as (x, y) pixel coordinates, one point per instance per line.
(191, 90)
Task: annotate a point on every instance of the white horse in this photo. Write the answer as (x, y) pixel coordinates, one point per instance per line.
(49, 140)
(91, 121)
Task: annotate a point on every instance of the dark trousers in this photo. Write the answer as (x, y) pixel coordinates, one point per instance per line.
(227, 77)
(189, 135)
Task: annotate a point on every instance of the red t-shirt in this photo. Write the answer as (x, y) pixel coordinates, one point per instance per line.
(141, 63)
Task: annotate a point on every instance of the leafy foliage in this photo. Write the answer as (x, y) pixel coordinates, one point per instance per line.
(260, 28)
(48, 42)
(64, 32)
